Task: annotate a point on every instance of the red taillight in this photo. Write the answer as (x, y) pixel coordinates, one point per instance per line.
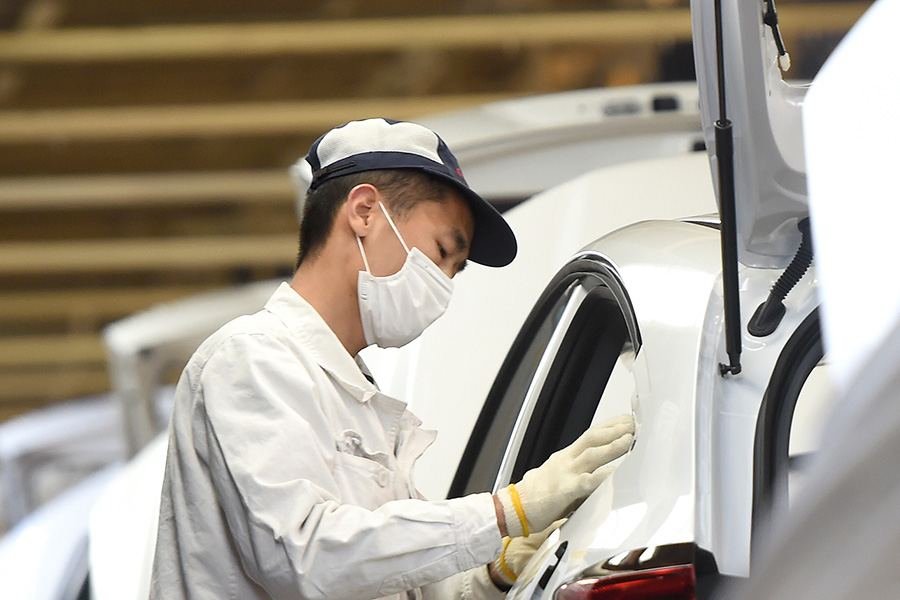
(670, 583)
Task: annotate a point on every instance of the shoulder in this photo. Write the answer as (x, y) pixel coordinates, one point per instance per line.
(253, 359)
(246, 339)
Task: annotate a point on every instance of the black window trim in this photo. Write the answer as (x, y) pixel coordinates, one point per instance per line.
(800, 355)
(593, 345)
(583, 265)
(547, 360)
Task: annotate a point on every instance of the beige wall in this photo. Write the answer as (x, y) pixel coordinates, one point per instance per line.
(143, 145)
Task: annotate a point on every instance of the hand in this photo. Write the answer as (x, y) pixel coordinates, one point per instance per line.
(558, 486)
(516, 553)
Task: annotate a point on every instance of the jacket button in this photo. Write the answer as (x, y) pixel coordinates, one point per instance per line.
(383, 478)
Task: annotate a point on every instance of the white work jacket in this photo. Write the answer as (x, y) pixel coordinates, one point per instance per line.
(289, 475)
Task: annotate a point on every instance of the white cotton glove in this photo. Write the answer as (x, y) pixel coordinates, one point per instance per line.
(555, 488)
(516, 554)
(494, 581)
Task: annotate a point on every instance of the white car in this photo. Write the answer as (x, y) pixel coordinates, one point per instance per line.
(706, 330)
(638, 321)
(634, 320)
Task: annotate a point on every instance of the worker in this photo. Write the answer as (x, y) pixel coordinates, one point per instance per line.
(289, 474)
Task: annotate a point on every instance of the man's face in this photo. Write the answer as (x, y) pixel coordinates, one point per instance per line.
(442, 231)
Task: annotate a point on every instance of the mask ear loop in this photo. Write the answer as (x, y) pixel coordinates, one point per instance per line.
(394, 227)
(363, 253)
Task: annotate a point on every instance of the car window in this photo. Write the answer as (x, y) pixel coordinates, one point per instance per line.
(483, 469)
(576, 347)
(595, 343)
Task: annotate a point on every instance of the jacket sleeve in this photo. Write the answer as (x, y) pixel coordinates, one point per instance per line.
(269, 452)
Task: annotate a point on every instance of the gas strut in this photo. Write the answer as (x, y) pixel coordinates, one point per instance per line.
(727, 210)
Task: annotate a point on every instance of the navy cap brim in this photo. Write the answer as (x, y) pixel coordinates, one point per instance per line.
(493, 241)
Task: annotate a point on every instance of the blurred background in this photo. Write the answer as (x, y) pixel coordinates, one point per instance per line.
(144, 144)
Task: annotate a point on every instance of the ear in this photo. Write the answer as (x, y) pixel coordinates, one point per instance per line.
(361, 202)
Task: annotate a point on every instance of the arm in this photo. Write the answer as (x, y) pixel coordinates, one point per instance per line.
(501, 517)
(270, 454)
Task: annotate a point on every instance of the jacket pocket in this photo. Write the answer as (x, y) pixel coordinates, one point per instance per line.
(363, 475)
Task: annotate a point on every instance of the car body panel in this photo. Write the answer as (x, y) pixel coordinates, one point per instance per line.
(730, 410)
(44, 452)
(690, 475)
(765, 110)
(128, 510)
(850, 125)
(517, 148)
(842, 538)
(45, 556)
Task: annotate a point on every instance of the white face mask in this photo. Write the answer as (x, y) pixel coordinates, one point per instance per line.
(397, 308)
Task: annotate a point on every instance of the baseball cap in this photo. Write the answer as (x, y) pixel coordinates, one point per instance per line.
(377, 144)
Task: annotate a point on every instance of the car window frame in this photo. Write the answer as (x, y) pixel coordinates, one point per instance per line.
(593, 349)
(578, 293)
(771, 463)
(587, 264)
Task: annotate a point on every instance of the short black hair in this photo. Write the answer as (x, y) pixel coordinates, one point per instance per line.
(401, 188)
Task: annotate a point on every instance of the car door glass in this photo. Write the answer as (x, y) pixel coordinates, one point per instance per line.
(576, 344)
(596, 351)
(485, 467)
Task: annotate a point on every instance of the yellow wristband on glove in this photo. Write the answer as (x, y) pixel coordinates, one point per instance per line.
(501, 563)
(520, 511)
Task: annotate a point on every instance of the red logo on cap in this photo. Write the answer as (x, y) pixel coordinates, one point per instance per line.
(459, 172)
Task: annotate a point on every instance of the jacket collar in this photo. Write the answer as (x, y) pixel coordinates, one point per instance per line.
(312, 332)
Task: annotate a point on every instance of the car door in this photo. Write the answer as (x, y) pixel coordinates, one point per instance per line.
(570, 365)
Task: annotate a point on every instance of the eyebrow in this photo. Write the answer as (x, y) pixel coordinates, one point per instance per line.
(461, 243)
(461, 246)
